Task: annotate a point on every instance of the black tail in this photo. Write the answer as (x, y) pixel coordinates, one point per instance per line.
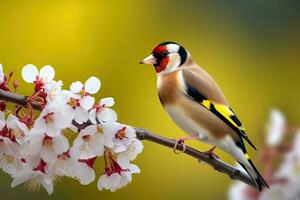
(260, 181)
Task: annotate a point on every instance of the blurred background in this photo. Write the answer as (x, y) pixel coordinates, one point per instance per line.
(250, 48)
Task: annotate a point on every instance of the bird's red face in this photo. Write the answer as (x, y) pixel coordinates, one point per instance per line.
(166, 57)
(161, 54)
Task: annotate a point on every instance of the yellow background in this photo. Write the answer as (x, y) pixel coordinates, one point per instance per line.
(251, 49)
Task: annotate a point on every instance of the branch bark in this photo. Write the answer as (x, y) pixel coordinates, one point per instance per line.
(143, 134)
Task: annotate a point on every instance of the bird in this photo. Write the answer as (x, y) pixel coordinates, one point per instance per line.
(196, 103)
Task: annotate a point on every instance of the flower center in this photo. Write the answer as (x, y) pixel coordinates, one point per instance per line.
(64, 156)
(49, 117)
(41, 167)
(17, 133)
(86, 138)
(8, 159)
(98, 107)
(7, 132)
(83, 93)
(111, 165)
(27, 120)
(121, 134)
(90, 162)
(73, 102)
(99, 130)
(39, 84)
(47, 141)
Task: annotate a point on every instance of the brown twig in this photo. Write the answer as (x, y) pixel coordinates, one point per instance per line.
(143, 134)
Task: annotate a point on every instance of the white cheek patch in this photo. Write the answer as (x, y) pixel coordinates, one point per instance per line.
(173, 48)
(174, 61)
(173, 64)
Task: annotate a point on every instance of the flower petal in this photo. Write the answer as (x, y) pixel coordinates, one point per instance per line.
(114, 181)
(48, 155)
(19, 179)
(29, 73)
(107, 115)
(92, 85)
(85, 174)
(87, 102)
(103, 182)
(81, 115)
(108, 101)
(92, 116)
(60, 144)
(134, 169)
(35, 143)
(47, 73)
(75, 87)
(48, 185)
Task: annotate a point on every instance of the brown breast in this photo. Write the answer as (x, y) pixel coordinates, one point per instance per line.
(168, 87)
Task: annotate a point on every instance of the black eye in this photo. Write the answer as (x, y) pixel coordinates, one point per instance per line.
(164, 54)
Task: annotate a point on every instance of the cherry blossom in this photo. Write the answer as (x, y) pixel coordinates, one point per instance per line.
(53, 119)
(40, 78)
(83, 171)
(49, 147)
(34, 147)
(102, 112)
(10, 164)
(134, 148)
(80, 99)
(123, 136)
(92, 140)
(35, 173)
(114, 181)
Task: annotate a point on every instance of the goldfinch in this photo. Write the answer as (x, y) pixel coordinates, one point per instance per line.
(197, 105)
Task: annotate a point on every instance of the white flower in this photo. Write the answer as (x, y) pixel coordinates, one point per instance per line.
(12, 134)
(79, 98)
(53, 88)
(275, 128)
(47, 147)
(135, 148)
(83, 171)
(55, 117)
(102, 113)
(18, 129)
(63, 164)
(31, 74)
(91, 86)
(36, 174)
(42, 79)
(123, 137)
(10, 164)
(91, 141)
(114, 181)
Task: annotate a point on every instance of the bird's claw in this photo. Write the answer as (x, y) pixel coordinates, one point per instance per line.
(211, 153)
(179, 141)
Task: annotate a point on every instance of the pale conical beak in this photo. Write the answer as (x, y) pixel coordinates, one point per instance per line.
(149, 60)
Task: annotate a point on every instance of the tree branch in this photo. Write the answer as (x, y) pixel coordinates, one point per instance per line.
(143, 134)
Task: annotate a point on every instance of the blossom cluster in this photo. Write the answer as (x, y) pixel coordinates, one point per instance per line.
(281, 164)
(38, 147)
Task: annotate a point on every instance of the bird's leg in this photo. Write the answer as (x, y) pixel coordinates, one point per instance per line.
(181, 141)
(211, 153)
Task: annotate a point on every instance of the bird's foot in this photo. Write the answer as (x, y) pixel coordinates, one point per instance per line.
(181, 141)
(211, 153)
